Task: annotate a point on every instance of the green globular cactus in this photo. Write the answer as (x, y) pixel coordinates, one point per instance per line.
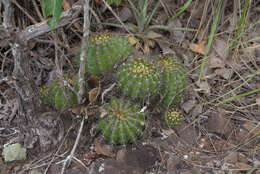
(60, 96)
(122, 122)
(105, 50)
(173, 81)
(138, 79)
(173, 117)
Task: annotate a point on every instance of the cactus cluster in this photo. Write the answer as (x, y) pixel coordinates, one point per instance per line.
(173, 81)
(60, 95)
(105, 50)
(122, 123)
(138, 79)
(173, 117)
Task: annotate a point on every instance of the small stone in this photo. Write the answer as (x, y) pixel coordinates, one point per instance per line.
(218, 123)
(125, 14)
(14, 152)
(197, 110)
(187, 106)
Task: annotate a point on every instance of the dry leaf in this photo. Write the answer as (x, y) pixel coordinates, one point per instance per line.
(242, 165)
(215, 62)
(78, 109)
(168, 132)
(221, 48)
(151, 43)
(93, 82)
(153, 35)
(93, 94)
(199, 48)
(146, 49)
(204, 87)
(103, 149)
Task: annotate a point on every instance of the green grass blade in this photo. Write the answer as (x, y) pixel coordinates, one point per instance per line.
(254, 39)
(52, 8)
(242, 84)
(211, 37)
(144, 7)
(167, 28)
(252, 170)
(241, 22)
(241, 34)
(151, 15)
(185, 6)
(135, 10)
(240, 95)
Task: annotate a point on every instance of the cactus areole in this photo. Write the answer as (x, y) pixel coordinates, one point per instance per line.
(105, 50)
(138, 79)
(122, 123)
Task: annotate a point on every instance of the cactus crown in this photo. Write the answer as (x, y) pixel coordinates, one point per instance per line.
(122, 123)
(173, 117)
(105, 50)
(141, 68)
(100, 38)
(138, 79)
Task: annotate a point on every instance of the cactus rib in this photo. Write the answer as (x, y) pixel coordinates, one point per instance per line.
(122, 123)
(138, 79)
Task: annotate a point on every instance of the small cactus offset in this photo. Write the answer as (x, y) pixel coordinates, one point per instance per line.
(138, 79)
(122, 123)
(58, 95)
(105, 50)
(173, 117)
(173, 79)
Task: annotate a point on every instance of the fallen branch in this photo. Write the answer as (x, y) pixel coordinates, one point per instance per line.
(67, 17)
